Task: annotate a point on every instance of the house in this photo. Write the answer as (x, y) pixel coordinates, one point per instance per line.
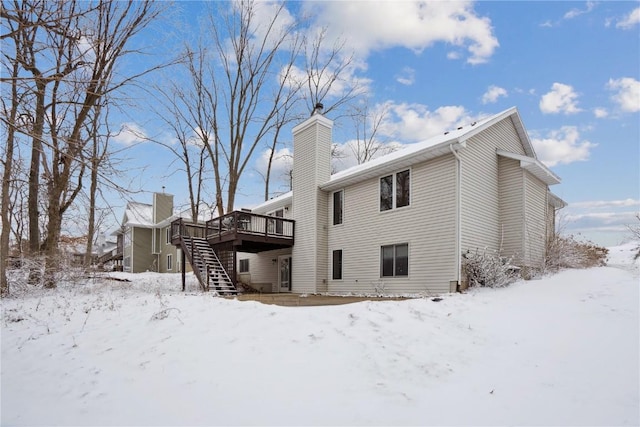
(144, 242)
(399, 223)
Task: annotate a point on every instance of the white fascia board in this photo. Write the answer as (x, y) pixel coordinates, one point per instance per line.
(394, 164)
(534, 166)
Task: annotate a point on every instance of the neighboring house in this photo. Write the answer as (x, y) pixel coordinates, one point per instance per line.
(144, 237)
(401, 222)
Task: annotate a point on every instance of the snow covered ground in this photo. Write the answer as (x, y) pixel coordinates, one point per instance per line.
(562, 350)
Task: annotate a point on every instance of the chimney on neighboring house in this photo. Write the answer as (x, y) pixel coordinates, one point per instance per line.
(311, 167)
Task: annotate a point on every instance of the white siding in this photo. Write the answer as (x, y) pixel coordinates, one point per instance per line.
(427, 225)
(535, 221)
(312, 166)
(510, 186)
(480, 202)
(262, 269)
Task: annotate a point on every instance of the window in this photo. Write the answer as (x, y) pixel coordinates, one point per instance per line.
(169, 262)
(394, 260)
(337, 207)
(395, 188)
(168, 233)
(244, 266)
(337, 264)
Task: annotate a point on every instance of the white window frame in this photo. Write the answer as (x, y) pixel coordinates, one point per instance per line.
(341, 264)
(394, 190)
(394, 246)
(240, 269)
(333, 207)
(169, 262)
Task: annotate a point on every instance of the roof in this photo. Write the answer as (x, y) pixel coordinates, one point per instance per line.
(433, 147)
(139, 215)
(556, 201)
(274, 203)
(534, 166)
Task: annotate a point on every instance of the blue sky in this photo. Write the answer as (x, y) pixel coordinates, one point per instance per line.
(571, 68)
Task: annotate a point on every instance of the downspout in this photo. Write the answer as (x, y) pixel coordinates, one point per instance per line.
(458, 215)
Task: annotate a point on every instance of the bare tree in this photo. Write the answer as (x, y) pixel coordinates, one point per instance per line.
(9, 116)
(328, 74)
(185, 110)
(367, 144)
(70, 50)
(322, 81)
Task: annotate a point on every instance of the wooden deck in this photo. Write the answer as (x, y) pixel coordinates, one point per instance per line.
(244, 231)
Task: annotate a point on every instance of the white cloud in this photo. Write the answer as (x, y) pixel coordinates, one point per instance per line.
(600, 113)
(562, 146)
(577, 12)
(628, 93)
(415, 25)
(130, 133)
(630, 20)
(492, 94)
(561, 99)
(280, 166)
(407, 77)
(415, 122)
(606, 204)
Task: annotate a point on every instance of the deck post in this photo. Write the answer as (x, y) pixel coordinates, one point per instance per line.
(183, 268)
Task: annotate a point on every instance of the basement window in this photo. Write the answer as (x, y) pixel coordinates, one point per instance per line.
(394, 260)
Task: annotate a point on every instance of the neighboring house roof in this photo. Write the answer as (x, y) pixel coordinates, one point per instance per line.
(138, 215)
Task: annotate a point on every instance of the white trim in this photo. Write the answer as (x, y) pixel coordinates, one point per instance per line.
(341, 265)
(534, 166)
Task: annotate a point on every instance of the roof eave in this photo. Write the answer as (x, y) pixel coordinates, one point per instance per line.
(401, 162)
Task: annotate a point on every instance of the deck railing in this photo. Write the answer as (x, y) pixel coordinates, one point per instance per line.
(240, 222)
(180, 227)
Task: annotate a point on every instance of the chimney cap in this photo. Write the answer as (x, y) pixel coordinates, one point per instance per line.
(318, 108)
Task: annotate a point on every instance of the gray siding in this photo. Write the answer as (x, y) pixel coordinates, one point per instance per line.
(166, 249)
(511, 181)
(142, 259)
(428, 226)
(162, 206)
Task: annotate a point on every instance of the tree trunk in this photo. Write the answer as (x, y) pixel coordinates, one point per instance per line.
(6, 179)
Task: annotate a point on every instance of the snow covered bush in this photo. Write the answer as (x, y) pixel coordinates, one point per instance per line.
(488, 269)
(568, 252)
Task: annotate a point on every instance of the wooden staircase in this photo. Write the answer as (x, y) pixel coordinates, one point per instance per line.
(207, 266)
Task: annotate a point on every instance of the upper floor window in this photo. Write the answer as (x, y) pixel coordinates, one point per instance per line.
(395, 190)
(168, 234)
(338, 199)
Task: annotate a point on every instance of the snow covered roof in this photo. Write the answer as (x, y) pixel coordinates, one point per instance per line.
(435, 146)
(138, 215)
(274, 203)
